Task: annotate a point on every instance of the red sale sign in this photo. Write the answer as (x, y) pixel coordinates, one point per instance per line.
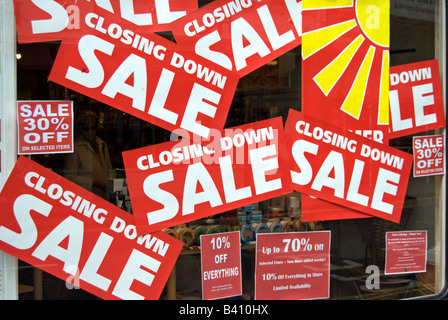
(241, 35)
(406, 252)
(144, 74)
(180, 181)
(292, 266)
(313, 207)
(416, 98)
(41, 21)
(429, 155)
(221, 265)
(45, 127)
(67, 231)
(52, 20)
(345, 168)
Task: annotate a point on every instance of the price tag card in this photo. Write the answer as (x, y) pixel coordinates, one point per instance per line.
(45, 127)
(429, 155)
(221, 265)
(406, 252)
(292, 266)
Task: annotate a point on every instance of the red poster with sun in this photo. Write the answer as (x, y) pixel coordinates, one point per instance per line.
(345, 70)
(345, 51)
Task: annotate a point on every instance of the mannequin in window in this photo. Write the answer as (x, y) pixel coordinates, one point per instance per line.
(89, 166)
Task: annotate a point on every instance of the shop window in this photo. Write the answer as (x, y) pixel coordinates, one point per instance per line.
(357, 245)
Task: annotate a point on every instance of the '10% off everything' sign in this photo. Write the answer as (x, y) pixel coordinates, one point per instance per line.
(221, 265)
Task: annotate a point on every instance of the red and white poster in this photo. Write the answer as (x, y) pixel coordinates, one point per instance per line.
(180, 181)
(416, 98)
(59, 227)
(241, 35)
(292, 266)
(342, 167)
(345, 68)
(312, 206)
(141, 73)
(45, 127)
(429, 155)
(221, 265)
(406, 252)
(52, 20)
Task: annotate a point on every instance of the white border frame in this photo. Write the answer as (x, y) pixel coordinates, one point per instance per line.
(8, 142)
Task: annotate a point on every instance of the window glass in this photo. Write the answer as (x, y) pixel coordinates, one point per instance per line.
(267, 92)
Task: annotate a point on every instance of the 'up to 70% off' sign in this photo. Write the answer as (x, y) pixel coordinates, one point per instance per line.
(292, 266)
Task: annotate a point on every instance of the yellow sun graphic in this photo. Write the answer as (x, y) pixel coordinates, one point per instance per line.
(370, 20)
